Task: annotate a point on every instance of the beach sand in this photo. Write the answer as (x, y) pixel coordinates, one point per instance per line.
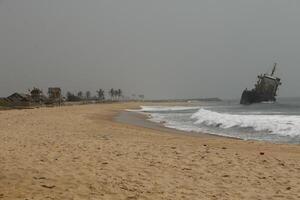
(81, 152)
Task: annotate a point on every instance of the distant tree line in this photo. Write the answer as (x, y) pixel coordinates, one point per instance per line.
(114, 94)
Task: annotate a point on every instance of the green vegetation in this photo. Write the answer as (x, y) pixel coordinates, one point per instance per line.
(3, 103)
(101, 95)
(115, 95)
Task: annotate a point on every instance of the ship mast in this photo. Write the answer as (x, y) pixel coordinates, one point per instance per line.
(274, 69)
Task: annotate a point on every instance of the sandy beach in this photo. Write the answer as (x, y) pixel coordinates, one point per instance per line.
(81, 152)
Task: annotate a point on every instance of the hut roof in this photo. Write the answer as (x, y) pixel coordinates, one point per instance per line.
(18, 97)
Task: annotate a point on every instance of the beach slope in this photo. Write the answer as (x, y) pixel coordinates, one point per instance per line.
(80, 152)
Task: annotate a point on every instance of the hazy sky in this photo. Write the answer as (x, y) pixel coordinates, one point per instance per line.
(160, 48)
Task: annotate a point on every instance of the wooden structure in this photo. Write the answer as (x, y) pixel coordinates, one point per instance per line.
(55, 96)
(37, 95)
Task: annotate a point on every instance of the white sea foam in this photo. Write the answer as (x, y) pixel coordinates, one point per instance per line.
(164, 108)
(167, 122)
(273, 126)
(285, 125)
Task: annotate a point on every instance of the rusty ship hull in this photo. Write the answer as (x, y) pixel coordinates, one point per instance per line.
(265, 89)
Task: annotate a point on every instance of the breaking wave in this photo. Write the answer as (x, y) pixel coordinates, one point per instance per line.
(275, 123)
(284, 125)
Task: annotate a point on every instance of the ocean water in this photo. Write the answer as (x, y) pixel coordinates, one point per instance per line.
(277, 122)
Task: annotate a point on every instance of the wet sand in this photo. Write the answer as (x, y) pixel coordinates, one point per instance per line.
(81, 152)
(141, 120)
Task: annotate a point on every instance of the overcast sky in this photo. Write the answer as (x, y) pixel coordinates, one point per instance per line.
(160, 48)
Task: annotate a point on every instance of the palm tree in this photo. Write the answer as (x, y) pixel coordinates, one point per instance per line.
(101, 95)
(80, 94)
(69, 96)
(119, 93)
(112, 93)
(88, 95)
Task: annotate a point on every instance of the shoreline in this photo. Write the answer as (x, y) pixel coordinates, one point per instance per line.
(142, 120)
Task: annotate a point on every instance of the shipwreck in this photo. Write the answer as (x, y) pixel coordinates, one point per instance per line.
(265, 89)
